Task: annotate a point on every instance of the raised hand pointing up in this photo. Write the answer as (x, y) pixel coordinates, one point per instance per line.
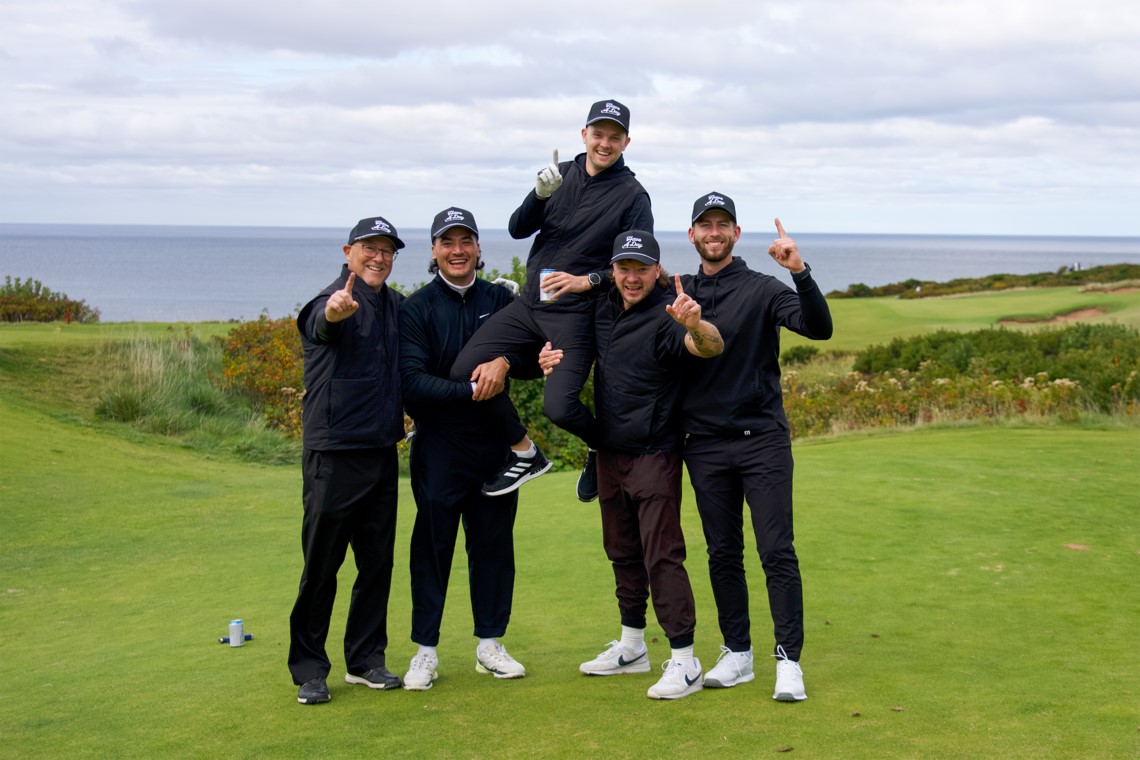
(785, 251)
(549, 179)
(341, 305)
(684, 309)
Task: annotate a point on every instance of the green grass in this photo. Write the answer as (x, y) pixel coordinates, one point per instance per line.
(860, 322)
(943, 606)
(951, 608)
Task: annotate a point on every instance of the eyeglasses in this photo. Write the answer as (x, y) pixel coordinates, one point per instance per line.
(372, 251)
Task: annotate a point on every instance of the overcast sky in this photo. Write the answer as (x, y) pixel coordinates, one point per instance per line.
(972, 117)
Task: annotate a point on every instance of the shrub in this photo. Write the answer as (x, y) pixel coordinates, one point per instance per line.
(1064, 276)
(263, 361)
(29, 301)
(801, 354)
(990, 374)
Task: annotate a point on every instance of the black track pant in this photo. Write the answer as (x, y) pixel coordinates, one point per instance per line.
(446, 477)
(725, 472)
(521, 329)
(349, 497)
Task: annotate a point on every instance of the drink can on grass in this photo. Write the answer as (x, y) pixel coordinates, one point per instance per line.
(237, 633)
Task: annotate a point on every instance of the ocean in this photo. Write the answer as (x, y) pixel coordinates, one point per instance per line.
(200, 273)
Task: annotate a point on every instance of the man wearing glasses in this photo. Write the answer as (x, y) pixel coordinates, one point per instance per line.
(352, 420)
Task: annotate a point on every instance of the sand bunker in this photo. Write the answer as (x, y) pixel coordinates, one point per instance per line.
(1059, 318)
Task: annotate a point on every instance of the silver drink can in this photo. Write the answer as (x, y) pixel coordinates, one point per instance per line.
(237, 633)
(546, 295)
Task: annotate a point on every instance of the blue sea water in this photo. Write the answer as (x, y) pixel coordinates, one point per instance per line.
(172, 273)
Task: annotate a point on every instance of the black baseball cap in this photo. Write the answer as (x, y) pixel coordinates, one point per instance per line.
(453, 217)
(714, 202)
(374, 226)
(638, 245)
(609, 110)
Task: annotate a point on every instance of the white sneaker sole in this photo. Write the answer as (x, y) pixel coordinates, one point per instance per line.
(697, 686)
(481, 668)
(350, 678)
(787, 696)
(724, 683)
(419, 687)
(518, 483)
(641, 666)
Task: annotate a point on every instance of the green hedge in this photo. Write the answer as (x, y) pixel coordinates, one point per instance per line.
(29, 301)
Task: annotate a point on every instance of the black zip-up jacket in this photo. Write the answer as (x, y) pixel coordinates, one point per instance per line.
(738, 393)
(435, 323)
(577, 225)
(352, 383)
(637, 382)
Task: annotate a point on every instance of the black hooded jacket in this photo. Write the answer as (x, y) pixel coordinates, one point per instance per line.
(738, 393)
(577, 225)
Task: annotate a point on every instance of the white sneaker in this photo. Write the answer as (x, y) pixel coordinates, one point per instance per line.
(731, 668)
(789, 679)
(617, 659)
(679, 680)
(421, 672)
(495, 660)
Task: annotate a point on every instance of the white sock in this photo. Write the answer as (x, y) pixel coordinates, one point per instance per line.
(487, 643)
(426, 650)
(684, 655)
(633, 638)
(529, 453)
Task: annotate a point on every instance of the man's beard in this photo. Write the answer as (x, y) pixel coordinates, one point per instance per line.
(716, 258)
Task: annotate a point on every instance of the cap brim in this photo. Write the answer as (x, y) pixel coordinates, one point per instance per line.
(596, 119)
(643, 258)
(399, 243)
(721, 210)
(447, 227)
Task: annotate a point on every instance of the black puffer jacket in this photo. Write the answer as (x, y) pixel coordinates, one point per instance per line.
(352, 381)
(637, 384)
(435, 323)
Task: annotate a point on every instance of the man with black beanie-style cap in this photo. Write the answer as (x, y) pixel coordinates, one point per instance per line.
(737, 443)
(455, 451)
(352, 420)
(576, 208)
(644, 334)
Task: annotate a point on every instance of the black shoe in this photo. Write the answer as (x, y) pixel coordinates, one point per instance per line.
(516, 472)
(377, 678)
(313, 692)
(588, 480)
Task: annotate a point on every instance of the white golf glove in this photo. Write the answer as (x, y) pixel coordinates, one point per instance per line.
(510, 285)
(549, 179)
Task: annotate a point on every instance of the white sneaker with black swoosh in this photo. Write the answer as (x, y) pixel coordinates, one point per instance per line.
(679, 680)
(617, 659)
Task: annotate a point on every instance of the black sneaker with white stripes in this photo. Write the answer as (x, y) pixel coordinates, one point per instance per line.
(517, 471)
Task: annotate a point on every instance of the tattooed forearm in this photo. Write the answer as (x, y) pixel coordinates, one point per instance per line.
(706, 340)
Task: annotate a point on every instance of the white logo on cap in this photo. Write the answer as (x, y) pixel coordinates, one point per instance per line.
(611, 110)
(632, 242)
(715, 200)
(380, 226)
(454, 216)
